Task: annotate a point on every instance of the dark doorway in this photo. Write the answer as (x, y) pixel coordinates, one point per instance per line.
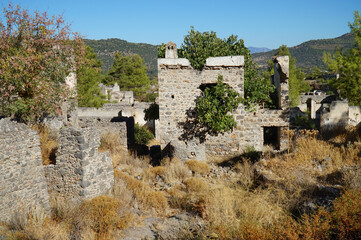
(271, 137)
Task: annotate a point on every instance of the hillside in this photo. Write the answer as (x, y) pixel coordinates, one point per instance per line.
(106, 48)
(310, 53)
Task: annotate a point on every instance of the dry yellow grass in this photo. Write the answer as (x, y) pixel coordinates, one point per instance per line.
(111, 142)
(48, 143)
(176, 171)
(198, 167)
(149, 198)
(196, 184)
(104, 215)
(153, 172)
(246, 170)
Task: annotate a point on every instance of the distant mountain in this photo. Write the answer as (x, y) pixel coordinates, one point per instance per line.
(310, 54)
(258, 50)
(106, 48)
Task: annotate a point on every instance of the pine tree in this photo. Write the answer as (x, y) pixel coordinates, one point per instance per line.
(89, 77)
(130, 73)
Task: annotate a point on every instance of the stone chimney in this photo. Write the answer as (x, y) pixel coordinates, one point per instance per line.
(171, 50)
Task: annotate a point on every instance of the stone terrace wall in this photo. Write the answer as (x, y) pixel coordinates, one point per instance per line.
(80, 170)
(22, 180)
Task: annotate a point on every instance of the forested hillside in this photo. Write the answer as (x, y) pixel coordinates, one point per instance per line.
(106, 49)
(310, 54)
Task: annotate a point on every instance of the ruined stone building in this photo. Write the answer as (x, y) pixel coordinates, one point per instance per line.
(180, 85)
(327, 111)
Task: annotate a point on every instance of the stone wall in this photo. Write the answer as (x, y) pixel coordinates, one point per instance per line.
(80, 170)
(22, 180)
(339, 113)
(106, 125)
(180, 85)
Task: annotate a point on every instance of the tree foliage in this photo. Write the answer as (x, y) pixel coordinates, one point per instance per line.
(297, 83)
(130, 72)
(37, 52)
(348, 65)
(142, 135)
(214, 106)
(89, 77)
(152, 112)
(197, 47)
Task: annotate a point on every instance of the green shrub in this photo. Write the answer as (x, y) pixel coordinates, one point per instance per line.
(142, 135)
(152, 112)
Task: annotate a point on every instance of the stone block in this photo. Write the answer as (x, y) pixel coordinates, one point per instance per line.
(228, 61)
(174, 62)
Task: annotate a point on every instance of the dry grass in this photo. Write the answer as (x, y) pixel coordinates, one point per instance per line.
(196, 184)
(247, 175)
(154, 172)
(149, 198)
(112, 142)
(176, 171)
(103, 215)
(198, 167)
(48, 143)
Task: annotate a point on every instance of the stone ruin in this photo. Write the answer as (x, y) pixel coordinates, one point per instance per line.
(327, 111)
(180, 85)
(115, 95)
(22, 179)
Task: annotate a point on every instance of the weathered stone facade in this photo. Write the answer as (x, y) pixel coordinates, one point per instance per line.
(22, 180)
(80, 170)
(180, 85)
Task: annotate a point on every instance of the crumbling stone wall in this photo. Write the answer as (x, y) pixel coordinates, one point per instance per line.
(339, 113)
(180, 85)
(105, 125)
(80, 170)
(22, 180)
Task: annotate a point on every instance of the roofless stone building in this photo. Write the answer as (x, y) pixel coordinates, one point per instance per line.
(180, 85)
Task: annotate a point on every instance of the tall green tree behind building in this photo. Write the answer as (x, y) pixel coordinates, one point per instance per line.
(130, 73)
(348, 65)
(89, 77)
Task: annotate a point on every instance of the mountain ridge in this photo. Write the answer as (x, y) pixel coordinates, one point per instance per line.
(308, 54)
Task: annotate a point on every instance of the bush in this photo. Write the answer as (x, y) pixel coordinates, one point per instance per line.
(195, 166)
(152, 112)
(101, 215)
(142, 135)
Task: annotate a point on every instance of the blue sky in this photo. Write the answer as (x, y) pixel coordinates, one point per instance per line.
(260, 23)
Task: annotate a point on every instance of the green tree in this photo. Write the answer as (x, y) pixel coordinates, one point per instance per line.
(348, 66)
(89, 77)
(130, 73)
(297, 83)
(37, 52)
(213, 107)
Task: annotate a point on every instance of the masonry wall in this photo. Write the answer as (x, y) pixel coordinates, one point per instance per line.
(179, 86)
(22, 180)
(80, 170)
(106, 125)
